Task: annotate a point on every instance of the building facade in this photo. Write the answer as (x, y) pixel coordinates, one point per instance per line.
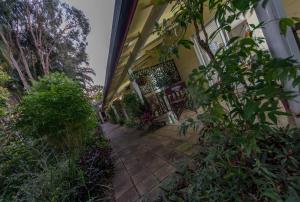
(133, 62)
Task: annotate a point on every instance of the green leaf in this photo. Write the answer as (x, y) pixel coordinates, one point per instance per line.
(296, 19)
(293, 199)
(272, 117)
(284, 24)
(240, 5)
(232, 40)
(272, 195)
(250, 109)
(186, 43)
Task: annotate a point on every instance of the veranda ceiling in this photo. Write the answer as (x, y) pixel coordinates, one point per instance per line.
(139, 41)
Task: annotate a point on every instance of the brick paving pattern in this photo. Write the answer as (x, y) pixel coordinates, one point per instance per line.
(144, 160)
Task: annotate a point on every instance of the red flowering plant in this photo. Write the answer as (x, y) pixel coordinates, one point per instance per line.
(147, 118)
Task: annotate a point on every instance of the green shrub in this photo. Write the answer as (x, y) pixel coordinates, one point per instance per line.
(132, 105)
(31, 170)
(22, 160)
(111, 115)
(97, 166)
(246, 156)
(56, 108)
(59, 181)
(131, 123)
(4, 94)
(223, 172)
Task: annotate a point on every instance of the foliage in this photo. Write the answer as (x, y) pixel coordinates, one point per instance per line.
(191, 13)
(4, 94)
(249, 86)
(285, 23)
(97, 167)
(131, 123)
(244, 148)
(246, 156)
(99, 94)
(41, 36)
(224, 173)
(132, 105)
(119, 107)
(56, 108)
(24, 164)
(31, 170)
(111, 114)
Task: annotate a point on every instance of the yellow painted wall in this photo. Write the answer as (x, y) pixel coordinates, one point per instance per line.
(188, 60)
(292, 7)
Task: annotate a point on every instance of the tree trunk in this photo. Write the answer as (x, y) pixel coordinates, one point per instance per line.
(25, 63)
(47, 65)
(8, 55)
(204, 45)
(20, 73)
(38, 44)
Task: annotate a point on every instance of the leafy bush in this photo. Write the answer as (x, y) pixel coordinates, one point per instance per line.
(4, 94)
(26, 168)
(97, 167)
(132, 105)
(111, 115)
(56, 108)
(131, 123)
(246, 156)
(58, 181)
(224, 172)
(31, 170)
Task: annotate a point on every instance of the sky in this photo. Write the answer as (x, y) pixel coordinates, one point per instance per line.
(100, 14)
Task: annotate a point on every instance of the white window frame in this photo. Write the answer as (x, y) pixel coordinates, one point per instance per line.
(224, 35)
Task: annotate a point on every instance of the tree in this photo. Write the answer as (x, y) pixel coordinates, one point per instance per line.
(40, 36)
(95, 93)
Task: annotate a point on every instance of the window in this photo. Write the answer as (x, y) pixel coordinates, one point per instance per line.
(240, 28)
(217, 42)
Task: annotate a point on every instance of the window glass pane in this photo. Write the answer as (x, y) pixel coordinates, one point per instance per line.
(215, 44)
(241, 30)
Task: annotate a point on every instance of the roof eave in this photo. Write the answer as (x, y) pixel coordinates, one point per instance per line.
(123, 15)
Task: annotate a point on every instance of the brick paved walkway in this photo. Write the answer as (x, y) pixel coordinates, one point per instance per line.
(143, 161)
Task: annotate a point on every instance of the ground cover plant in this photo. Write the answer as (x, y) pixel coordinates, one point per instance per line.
(31, 170)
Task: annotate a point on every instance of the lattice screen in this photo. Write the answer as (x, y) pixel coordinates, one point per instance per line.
(157, 77)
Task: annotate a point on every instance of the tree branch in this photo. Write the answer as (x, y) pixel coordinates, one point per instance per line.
(8, 55)
(24, 60)
(202, 44)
